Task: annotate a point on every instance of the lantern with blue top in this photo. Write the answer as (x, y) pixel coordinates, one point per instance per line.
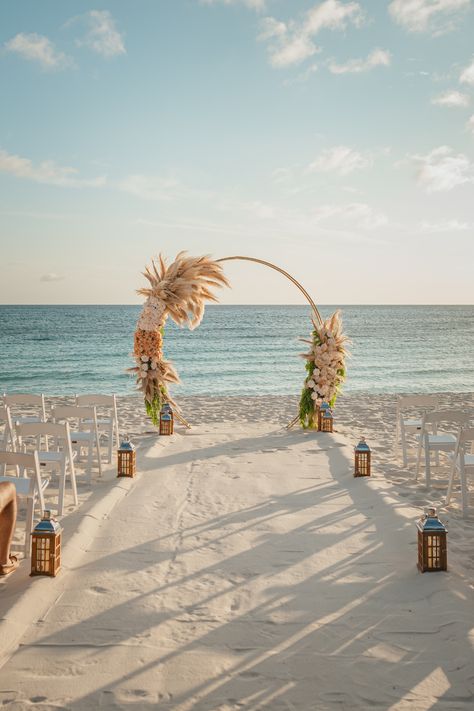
(432, 543)
(166, 420)
(126, 459)
(46, 547)
(327, 421)
(321, 412)
(362, 458)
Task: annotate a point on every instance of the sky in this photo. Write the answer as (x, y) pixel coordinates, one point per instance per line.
(333, 138)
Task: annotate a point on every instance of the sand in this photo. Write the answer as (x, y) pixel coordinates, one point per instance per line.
(245, 567)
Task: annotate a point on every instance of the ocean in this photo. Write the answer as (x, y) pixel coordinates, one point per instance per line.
(237, 350)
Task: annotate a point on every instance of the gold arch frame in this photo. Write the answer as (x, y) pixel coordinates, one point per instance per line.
(281, 271)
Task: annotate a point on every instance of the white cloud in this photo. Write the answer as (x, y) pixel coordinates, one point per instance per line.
(444, 226)
(442, 170)
(437, 16)
(355, 214)
(377, 58)
(451, 98)
(470, 124)
(38, 48)
(51, 276)
(292, 42)
(258, 5)
(467, 75)
(102, 36)
(47, 172)
(153, 187)
(341, 160)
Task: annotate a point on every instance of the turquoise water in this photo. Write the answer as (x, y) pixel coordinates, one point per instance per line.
(237, 350)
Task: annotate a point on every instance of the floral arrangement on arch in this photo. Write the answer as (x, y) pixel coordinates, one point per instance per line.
(179, 291)
(325, 366)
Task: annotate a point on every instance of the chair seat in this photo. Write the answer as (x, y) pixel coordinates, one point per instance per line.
(77, 437)
(46, 458)
(100, 421)
(442, 440)
(415, 424)
(26, 420)
(469, 460)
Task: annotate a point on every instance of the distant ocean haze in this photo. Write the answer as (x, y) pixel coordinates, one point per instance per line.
(237, 350)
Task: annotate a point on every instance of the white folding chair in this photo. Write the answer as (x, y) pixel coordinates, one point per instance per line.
(463, 463)
(29, 488)
(107, 418)
(58, 459)
(84, 432)
(14, 402)
(438, 441)
(410, 422)
(8, 439)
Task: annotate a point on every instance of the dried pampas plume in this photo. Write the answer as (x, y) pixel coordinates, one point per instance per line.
(184, 286)
(179, 291)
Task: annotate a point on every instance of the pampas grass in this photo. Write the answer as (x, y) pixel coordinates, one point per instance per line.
(180, 291)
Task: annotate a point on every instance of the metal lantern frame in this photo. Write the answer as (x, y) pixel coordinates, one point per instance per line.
(46, 547)
(126, 459)
(362, 459)
(166, 422)
(327, 421)
(432, 543)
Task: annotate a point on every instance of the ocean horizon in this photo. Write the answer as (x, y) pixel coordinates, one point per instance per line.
(237, 349)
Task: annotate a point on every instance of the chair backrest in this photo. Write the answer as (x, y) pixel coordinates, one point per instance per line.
(77, 412)
(22, 462)
(5, 416)
(421, 401)
(457, 417)
(58, 431)
(25, 400)
(97, 400)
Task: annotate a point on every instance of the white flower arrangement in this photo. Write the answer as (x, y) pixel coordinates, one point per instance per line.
(325, 366)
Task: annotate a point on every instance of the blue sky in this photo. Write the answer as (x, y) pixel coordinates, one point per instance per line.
(335, 138)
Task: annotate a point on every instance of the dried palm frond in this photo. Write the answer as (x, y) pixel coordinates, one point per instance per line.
(184, 286)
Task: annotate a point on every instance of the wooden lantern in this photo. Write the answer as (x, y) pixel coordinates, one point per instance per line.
(432, 543)
(321, 410)
(126, 459)
(327, 421)
(166, 421)
(362, 458)
(46, 547)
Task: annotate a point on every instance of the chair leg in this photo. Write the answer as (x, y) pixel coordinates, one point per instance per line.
(62, 484)
(404, 446)
(427, 464)
(464, 489)
(29, 526)
(418, 457)
(452, 476)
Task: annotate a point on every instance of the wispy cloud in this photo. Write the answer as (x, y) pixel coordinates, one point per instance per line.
(377, 58)
(51, 276)
(436, 16)
(47, 172)
(258, 5)
(292, 42)
(467, 75)
(444, 226)
(470, 125)
(102, 35)
(157, 188)
(341, 160)
(452, 99)
(39, 49)
(442, 170)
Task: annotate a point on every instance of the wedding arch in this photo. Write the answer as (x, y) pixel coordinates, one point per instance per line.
(180, 290)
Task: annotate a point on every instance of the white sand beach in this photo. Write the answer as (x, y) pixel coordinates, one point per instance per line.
(245, 567)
